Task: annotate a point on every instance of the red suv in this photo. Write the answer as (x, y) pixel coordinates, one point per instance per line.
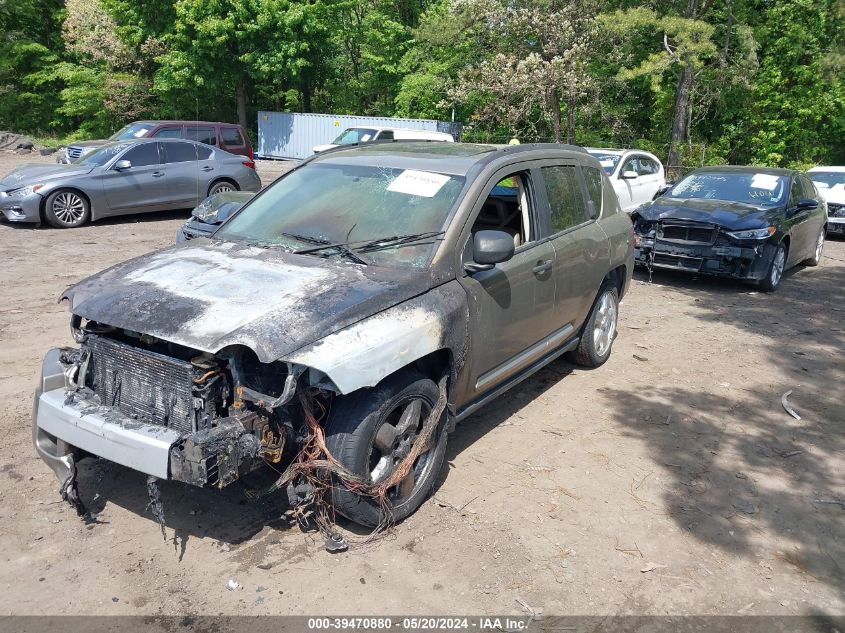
(228, 136)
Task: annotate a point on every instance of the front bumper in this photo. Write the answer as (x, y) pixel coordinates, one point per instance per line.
(734, 261)
(21, 209)
(836, 226)
(192, 229)
(63, 427)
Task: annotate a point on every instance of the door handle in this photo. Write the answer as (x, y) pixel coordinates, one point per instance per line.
(207, 168)
(542, 266)
(157, 174)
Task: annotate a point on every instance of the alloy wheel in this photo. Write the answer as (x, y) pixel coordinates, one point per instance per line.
(393, 442)
(820, 246)
(69, 207)
(777, 267)
(605, 324)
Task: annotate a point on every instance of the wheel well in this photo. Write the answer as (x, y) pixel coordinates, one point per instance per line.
(617, 276)
(224, 179)
(432, 365)
(43, 207)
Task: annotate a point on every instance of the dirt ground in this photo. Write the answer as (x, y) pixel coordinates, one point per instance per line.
(669, 481)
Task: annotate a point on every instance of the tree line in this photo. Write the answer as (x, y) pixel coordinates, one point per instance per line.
(695, 81)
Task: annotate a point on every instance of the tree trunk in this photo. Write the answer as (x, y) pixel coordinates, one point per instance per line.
(570, 119)
(680, 119)
(555, 104)
(305, 91)
(240, 92)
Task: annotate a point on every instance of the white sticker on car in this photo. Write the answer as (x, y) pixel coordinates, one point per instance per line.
(418, 183)
(764, 181)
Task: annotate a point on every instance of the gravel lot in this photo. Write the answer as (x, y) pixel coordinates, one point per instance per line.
(669, 481)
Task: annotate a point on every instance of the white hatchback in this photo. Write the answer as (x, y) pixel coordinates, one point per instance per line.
(636, 176)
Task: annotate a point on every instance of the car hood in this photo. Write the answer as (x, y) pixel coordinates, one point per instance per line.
(836, 194)
(210, 295)
(38, 173)
(725, 213)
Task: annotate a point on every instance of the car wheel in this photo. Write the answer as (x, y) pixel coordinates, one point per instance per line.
(371, 431)
(817, 253)
(221, 186)
(66, 209)
(599, 330)
(775, 272)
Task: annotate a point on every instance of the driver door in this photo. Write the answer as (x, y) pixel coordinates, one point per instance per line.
(512, 305)
(139, 187)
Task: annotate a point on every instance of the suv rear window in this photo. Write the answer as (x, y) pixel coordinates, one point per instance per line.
(231, 136)
(201, 135)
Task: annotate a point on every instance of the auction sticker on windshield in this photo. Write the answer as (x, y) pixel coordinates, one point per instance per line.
(764, 181)
(418, 183)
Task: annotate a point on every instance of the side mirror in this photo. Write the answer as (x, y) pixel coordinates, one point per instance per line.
(808, 203)
(490, 248)
(122, 165)
(662, 191)
(629, 175)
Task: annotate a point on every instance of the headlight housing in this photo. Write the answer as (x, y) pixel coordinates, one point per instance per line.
(206, 212)
(24, 191)
(753, 234)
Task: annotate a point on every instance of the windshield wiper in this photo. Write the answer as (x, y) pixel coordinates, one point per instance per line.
(310, 239)
(341, 247)
(396, 240)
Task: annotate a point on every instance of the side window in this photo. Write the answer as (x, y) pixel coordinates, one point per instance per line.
(795, 193)
(386, 135)
(565, 198)
(231, 136)
(808, 187)
(646, 166)
(142, 155)
(205, 135)
(506, 208)
(203, 152)
(179, 152)
(593, 177)
(630, 165)
(169, 132)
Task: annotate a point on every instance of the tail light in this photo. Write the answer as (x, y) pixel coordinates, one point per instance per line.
(249, 163)
(251, 153)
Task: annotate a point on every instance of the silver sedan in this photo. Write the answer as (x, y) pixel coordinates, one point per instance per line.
(124, 177)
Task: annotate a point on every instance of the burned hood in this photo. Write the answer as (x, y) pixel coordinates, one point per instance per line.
(725, 213)
(207, 296)
(35, 173)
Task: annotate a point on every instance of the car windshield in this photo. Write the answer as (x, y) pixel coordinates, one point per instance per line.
(759, 189)
(827, 179)
(322, 203)
(133, 130)
(102, 155)
(355, 135)
(608, 161)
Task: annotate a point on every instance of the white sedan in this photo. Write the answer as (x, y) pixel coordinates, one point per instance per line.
(636, 176)
(830, 181)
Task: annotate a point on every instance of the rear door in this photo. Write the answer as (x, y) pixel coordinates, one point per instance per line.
(581, 246)
(512, 305)
(185, 179)
(201, 134)
(141, 186)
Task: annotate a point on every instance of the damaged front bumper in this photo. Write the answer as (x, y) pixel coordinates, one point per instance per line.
(67, 426)
(21, 208)
(720, 256)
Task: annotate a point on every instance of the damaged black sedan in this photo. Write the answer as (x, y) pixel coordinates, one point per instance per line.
(748, 223)
(337, 326)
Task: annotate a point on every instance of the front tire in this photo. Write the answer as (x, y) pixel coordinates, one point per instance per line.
(370, 432)
(66, 209)
(600, 329)
(774, 274)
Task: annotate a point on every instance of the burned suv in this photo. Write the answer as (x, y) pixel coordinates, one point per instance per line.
(340, 323)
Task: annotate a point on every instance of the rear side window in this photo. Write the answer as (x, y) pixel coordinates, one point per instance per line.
(594, 188)
(201, 135)
(203, 153)
(808, 187)
(231, 136)
(142, 155)
(646, 166)
(179, 152)
(169, 132)
(565, 199)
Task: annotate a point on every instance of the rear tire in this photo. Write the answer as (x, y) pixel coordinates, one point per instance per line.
(774, 274)
(816, 259)
(66, 209)
(221, 186)
(365, 433)
(599, 331)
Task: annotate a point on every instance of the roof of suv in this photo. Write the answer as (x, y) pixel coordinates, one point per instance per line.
(176, 121)
(447, 158)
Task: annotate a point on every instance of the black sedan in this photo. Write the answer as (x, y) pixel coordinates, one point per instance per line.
(749, 223)
(209, 214)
